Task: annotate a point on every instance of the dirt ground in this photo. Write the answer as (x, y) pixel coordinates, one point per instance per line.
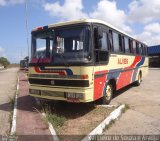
(89, 121)
(143, 117)
(80, 119)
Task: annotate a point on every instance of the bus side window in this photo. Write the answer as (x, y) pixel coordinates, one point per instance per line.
(115, 42)
(134, 47)
(126, 45)
(121, 43)
(137, 48)
(103, 40)
(146, 50)
(111, 41)
(130, 46)
(101, 45)
(141, 49)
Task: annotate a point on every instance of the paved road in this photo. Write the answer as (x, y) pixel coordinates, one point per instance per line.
(29, 120)
(143, 117)
(8, 80)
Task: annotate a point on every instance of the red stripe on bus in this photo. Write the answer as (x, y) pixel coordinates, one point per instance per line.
(99, 84)
(126, 76)
(37, 69)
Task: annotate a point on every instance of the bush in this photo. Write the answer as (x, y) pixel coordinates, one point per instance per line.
(4, 62)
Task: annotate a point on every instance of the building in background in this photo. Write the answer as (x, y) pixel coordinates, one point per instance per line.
(154, 54)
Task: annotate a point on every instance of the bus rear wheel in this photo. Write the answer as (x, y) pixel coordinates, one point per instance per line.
(108, 93)
(138, 82)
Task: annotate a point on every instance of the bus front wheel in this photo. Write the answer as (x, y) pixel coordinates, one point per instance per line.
(108, 93)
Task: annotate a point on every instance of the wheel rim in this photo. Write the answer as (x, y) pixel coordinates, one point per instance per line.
(108, 92)
(139, 79)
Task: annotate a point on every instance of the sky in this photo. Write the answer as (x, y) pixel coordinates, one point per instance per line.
(139, 18)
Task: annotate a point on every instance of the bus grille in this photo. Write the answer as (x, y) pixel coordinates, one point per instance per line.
(51, 82)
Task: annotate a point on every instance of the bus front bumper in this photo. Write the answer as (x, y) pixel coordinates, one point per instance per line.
(65, 94)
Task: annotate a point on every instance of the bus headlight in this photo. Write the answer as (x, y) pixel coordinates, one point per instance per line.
(74, 95)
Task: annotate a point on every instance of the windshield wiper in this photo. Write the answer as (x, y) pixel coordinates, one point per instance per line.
(40, 57)
(63, 59)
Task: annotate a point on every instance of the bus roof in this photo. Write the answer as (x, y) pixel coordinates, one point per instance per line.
(82, 21)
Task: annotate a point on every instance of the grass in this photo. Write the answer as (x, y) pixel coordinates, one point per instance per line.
(126, 108)
(55, 119)
(110, 124)
(13, 137)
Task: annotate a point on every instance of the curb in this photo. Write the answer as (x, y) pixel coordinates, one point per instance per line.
(51, 129)
(99, 129)
(13, 127)
(108, 106)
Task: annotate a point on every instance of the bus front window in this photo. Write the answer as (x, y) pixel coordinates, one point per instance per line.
(70, 45)
(42, 45)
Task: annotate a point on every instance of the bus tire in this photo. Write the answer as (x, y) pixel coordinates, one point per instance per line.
(138, 82)
(108, 93)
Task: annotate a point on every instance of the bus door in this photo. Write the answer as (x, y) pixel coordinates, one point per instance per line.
(101, 57)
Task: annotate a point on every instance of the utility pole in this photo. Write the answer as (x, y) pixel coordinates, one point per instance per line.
(26, 11)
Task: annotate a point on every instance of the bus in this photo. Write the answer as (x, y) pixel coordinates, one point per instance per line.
(84, 60)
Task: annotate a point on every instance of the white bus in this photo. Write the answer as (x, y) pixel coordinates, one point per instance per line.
(84, 60)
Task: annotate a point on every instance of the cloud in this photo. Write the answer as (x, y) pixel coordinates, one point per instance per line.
(10, 2)
(1, 49)
(144, 11)
(107, 11)
(149, 38)
(153, 27)
(151, 34)
(71, 9)
(141, 12)
(2, 2)
(2, 52)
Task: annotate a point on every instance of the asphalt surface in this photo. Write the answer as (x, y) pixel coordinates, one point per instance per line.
(143, 117)
(8, 81)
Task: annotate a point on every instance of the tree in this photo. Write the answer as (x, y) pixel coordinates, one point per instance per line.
(4, 61)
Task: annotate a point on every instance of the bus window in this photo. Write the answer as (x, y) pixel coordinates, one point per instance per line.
(101, 52)
(134, 47)
(130, 46)
(120, 43)
(115, 42)
(126, 45)
(137, 48)
(141, 49)
(110, 41)
(146, 51)
(103, 41)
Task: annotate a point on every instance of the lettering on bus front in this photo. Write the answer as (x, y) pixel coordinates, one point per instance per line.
(122, 61)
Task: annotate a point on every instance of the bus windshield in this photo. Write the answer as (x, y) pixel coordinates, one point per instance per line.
(61, 45)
